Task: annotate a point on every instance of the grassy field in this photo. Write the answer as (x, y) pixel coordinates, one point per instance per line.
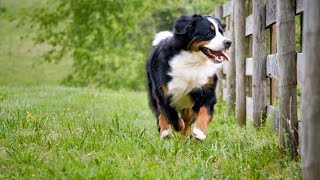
(53, 132)
(71, 133)
(20, 59)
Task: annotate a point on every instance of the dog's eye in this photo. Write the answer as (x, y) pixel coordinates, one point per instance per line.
(210, 33)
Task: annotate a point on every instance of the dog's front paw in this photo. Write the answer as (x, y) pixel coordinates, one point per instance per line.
(167, 133)
(198, 134)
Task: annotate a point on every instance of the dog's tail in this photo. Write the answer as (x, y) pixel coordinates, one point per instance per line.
(161, 36)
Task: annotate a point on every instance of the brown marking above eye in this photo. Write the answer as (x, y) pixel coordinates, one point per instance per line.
(194, 46)
(212, 28)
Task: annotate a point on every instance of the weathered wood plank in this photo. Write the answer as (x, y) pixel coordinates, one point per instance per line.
(271, 12)
(311, 92)
(249, 86)
(286, 55)
(299, 6)
(227, 34)
(273, 91)
(273, 50)
(240, 27)
(225, 67)
(259, 62)
(272, 66)
(273, 39)
(220, 84)
(249, 66)
(227, 9)
(249, 25)
(300, 68)
(250, 43)
(218, 14)
(300, 131)
(227, 23)
(231, 71)
(273, 113)
(223, 83)
(249, 107)
(225, 94)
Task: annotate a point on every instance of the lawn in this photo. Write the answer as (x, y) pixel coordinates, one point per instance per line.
(52, 132)
(74, 133)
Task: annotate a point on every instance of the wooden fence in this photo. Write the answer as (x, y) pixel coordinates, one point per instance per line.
(266, 67)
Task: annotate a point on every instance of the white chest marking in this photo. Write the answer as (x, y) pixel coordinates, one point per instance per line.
(189, 70)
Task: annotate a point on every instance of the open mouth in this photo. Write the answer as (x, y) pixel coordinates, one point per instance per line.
(215, 56)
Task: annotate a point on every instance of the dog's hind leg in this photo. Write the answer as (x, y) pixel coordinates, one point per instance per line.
(164, 126)
(173, 117)
(188, 117)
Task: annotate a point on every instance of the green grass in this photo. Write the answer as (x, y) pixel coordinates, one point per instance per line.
(20, 59)
(73, 133)
(52, 132)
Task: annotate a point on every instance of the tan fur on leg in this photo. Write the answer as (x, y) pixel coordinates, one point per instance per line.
(201, 128)
(165, 127)
(188, 117)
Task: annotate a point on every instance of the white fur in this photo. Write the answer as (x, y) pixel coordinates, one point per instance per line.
(189, 70)
(161, 36)
(198, 134)
(166, 133)
(217, 43)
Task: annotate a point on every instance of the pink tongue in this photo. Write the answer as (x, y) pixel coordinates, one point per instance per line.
(221, 55)
(225, 55)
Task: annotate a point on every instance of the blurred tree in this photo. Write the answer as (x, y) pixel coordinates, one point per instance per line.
(1, 7)
(108, 40)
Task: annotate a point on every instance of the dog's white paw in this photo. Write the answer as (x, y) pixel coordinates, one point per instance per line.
(166, 134)
(198, 134)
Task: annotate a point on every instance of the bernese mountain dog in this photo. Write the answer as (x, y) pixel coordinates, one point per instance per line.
(181, 74)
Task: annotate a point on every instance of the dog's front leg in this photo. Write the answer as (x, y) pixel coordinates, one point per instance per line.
(202, 120)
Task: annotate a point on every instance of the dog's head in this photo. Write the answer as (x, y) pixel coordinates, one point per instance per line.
(204, 34)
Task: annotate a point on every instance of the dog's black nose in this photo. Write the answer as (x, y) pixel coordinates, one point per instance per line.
(227, 43)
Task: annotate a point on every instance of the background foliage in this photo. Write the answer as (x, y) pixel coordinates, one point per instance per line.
(107, 40)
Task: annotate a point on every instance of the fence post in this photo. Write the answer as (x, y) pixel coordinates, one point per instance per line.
(286, 55)
(231, 71)
(218, 14)
(259, 62)
(311, 92)
(239, 28)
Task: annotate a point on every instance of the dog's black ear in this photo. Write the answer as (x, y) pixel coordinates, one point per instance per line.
(185, 23)
(223, 25)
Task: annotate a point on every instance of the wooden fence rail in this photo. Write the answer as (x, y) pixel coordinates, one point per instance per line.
(266, 84)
